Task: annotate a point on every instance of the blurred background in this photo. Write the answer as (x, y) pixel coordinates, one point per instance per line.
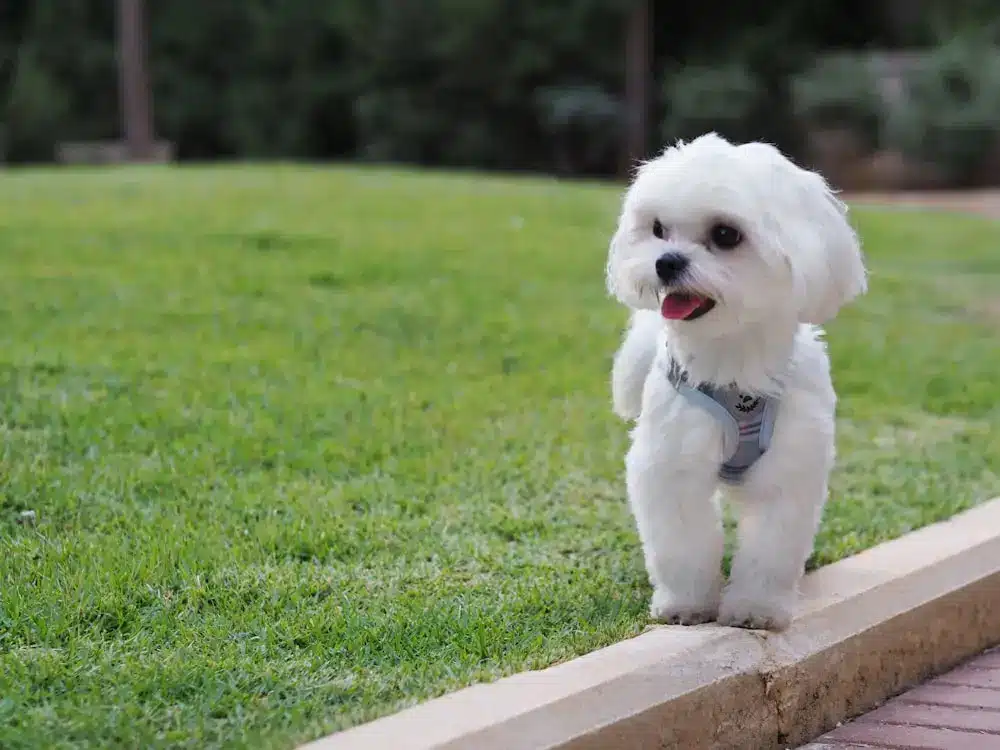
(879, 94)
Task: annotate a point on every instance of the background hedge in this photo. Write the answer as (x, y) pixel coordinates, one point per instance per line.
(500, 84)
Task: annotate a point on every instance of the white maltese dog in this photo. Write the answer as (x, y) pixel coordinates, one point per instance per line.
(729, 256)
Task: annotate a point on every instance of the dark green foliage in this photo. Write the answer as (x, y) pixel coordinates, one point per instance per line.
(254, 79)
(455, 83)
(584, 125)
(951, 114)
(500, 84)
(14, 18)
(428, 81)
(840, 92)
(722, 98)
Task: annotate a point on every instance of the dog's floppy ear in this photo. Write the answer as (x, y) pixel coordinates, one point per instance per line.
(611, 279)
(824, 252)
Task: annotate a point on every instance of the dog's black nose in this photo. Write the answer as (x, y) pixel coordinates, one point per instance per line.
(671, 265)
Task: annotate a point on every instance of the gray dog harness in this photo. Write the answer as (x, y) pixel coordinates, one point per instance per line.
(747, 420)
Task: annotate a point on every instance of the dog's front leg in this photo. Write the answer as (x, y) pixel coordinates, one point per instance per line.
(681, 532)
(632, 364)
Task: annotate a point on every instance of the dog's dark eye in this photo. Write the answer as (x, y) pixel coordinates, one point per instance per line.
(726, 237)
(657, 229)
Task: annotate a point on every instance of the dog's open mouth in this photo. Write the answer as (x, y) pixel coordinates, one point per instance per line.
(685, 306)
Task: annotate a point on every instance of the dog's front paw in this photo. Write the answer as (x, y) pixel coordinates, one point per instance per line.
(667, 609)
(755, 613)
(626, 406)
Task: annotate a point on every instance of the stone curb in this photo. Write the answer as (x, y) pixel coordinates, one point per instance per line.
(866, 628)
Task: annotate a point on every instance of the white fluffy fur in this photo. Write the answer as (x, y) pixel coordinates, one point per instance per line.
(799, 263)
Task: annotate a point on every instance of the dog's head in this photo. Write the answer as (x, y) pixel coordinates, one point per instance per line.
(717, 236)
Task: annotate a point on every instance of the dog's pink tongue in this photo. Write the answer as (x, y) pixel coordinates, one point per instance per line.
(679, 306)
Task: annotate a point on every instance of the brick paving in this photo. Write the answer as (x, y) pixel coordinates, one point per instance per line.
(959, 710)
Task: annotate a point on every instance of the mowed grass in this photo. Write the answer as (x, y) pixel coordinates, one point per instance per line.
(306, 446)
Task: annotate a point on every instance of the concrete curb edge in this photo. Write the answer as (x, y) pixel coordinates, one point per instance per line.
(866, 628)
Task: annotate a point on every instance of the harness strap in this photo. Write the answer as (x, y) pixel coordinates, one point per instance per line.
(744, 439)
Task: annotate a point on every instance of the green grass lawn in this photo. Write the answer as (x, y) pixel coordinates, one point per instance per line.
(307, 446)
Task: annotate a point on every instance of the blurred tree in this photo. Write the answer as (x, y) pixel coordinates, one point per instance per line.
(455, 83)
(255, 78)
(505, 84)
(638, 63)
(136, 94)
(773, 41)
(66, 85)
(914, 23)
(14, 18)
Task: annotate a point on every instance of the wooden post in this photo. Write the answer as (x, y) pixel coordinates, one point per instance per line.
(637, 69)
(136, 97)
